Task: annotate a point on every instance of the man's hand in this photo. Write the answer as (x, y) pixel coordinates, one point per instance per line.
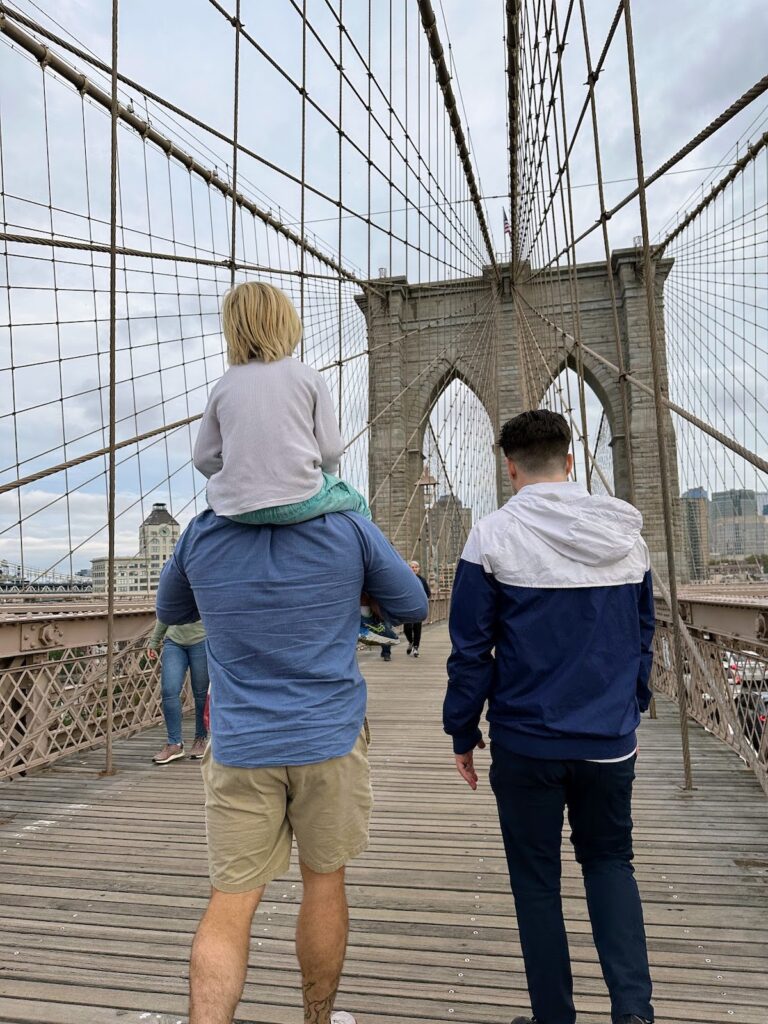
(151, 653)
(466, 767)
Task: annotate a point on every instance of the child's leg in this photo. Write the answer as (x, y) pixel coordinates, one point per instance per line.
(334, 496)
(338, 496)
(373, 629)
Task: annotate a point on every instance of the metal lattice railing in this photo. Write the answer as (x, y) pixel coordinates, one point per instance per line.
(726, 689)
(56, 703)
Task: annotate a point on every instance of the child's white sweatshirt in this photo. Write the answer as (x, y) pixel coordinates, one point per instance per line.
(268, 433)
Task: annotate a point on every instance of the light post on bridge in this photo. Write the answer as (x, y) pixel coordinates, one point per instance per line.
(428, 484)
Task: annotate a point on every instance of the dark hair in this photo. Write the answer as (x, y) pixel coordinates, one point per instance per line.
(536, 439)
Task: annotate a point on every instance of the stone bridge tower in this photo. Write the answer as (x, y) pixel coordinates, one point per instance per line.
(422, 337)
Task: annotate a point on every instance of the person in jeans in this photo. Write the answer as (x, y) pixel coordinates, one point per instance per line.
(183, 650)
(552, 622)
(288, 751)
(412, 630)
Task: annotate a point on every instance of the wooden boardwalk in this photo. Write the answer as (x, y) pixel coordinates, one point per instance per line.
(104, 880)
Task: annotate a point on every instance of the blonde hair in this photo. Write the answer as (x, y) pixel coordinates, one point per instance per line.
(260, 322)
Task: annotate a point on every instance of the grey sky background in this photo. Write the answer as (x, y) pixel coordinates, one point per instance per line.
(694, 58)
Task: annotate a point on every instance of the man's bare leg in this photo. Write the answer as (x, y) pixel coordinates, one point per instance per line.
(321, 941)
(220, 956)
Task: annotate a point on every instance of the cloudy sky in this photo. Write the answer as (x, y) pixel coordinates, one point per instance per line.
(694, 58)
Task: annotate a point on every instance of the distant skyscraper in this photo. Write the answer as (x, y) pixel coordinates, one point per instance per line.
(696, 524)
(736, 502)
(740, 536)
(738, 529)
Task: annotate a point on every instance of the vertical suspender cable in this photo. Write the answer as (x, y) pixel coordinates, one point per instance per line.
(623, 386)
(110, 695)
(341, 215)
(570, 233)
(235, 147)
(429, 21)
(302, 253)
(513, 114)
(649, 272)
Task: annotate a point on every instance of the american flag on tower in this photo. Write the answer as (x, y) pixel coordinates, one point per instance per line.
(507, 229)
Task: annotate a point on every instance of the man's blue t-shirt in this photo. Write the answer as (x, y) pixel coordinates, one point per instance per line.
(281, 609)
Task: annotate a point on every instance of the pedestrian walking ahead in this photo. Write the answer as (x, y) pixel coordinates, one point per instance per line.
(552, 623)
(183, 648)
(412, 630)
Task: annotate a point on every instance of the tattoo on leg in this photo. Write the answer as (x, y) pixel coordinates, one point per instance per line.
(317, 1011)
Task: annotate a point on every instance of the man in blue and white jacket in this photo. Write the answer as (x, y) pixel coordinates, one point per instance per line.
(552, 623)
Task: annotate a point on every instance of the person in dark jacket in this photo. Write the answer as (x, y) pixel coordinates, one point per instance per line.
(552, 623)
(412, 630)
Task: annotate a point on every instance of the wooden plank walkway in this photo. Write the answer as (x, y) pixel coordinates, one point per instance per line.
(104, 880)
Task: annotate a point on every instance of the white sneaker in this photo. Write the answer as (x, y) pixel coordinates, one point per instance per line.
(341, 1017)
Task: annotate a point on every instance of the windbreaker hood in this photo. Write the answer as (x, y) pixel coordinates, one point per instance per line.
(586, 528)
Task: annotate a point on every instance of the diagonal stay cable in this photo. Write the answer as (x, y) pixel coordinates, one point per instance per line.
(739, 449)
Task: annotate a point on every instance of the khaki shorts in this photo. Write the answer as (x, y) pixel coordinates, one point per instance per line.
(252, 814)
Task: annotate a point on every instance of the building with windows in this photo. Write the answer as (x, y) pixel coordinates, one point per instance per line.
(140, 574)
(734, 503)
(157, 539)
(738, 528)
(740, 536)
(695, 506)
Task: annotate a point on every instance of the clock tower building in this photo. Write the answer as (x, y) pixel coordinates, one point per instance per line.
(140, 574)
(157, 538)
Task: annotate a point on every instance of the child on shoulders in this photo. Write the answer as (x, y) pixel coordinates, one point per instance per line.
(269, 442)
